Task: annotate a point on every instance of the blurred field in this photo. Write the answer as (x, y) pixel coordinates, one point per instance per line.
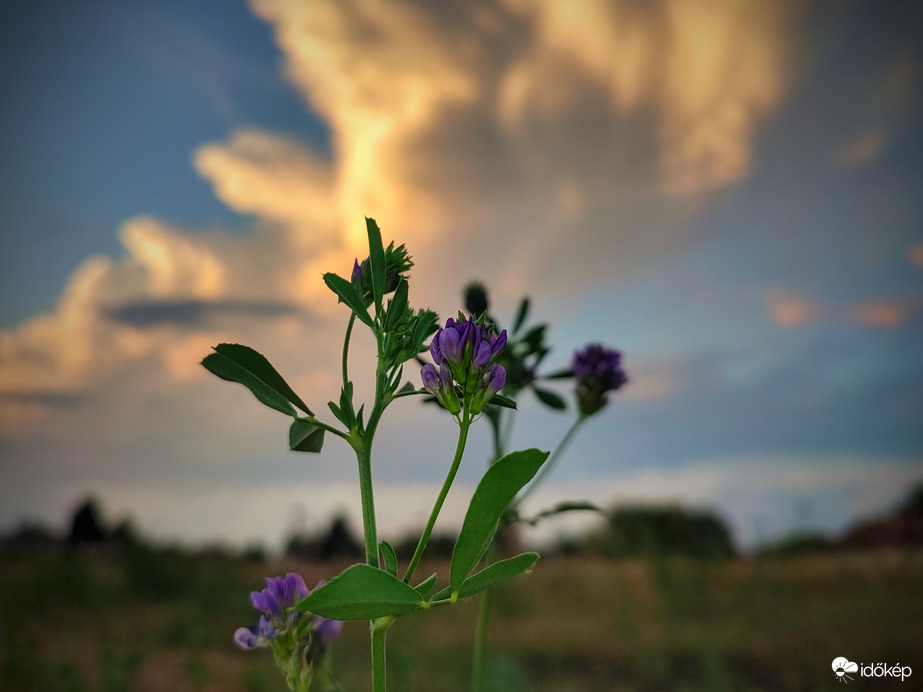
(145, 620)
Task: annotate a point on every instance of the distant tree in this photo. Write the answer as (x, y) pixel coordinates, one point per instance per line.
(339, 541)
(646, 531)
(86, 524)
(913, 501)
(799, 543)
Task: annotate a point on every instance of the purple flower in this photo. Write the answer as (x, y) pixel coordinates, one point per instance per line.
(440, 385)
(476, 298)
(467, 350)
(326, 631)
(356, 277)
(492, 383)
(297, 639)
(597, 370)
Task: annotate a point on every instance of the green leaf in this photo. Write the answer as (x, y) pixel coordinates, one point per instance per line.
(376, 261)
(346, 405)
(550, 399)
(497, 572)
(398, 305)
(337, 411)
(502, 401)
(408, 388)
(388, 556)
(562, 508)
(564, 374)
(425, 586)
(521, 315)
(349, 295)
(497, 488)
(304, 436)
(534, 337)
(238, 363)
(362, 592)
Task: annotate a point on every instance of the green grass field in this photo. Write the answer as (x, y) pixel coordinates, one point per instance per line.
(152, 620)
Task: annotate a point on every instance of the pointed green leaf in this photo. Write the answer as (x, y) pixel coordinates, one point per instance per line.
(349, 295)
(425, 586)
(388, 556)
(550, 399)
(408, 388)
(238, 363)
(497, 572)
(562, 508)
(502, 401)
(362, 592)
(521, 315)
(376, 261)
(564, 374)
(497, 488)
(304, 436)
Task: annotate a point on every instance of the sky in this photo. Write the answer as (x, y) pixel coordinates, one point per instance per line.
(728, 192)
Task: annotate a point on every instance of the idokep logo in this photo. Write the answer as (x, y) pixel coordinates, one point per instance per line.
(843, 666)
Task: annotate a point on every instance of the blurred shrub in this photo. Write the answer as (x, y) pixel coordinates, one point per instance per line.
(658, 531)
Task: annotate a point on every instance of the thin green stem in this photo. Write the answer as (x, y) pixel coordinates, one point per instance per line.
(549, 465)
(330, 429)
(349, 332)
(481, 629)
(364, 455)
(486, 600)
(379, 638)
(368, 504)
(463, 426)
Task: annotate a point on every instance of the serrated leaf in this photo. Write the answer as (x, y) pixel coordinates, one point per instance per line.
(376, 261)
(497, 488)
(338, 413)
(362, 592)
(388, 556)
(521, 315)
(496, 573)
(242, 364)
(346, 405)
(398, 305)
(348, 294)
(425, 586)
(305, 436)
(550, 399)
(562, 508)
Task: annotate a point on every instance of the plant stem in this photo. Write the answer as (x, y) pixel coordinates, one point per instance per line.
(379, 669)
(364, 454)
(463, 426)
(481, 629)
(349, 331)
(552, 460)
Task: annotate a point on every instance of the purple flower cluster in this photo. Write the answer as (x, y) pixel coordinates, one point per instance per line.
(281, 625)
(597, 370)
(465, 352)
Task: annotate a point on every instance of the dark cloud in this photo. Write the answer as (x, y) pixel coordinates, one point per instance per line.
(194, 313)
(59, 399)
(830, 399)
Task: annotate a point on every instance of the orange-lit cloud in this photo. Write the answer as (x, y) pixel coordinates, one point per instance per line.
(883, 313)
(916, 255)
(791, 311)
(551, 130)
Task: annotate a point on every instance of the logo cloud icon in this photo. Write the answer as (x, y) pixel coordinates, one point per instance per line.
(841, 666)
